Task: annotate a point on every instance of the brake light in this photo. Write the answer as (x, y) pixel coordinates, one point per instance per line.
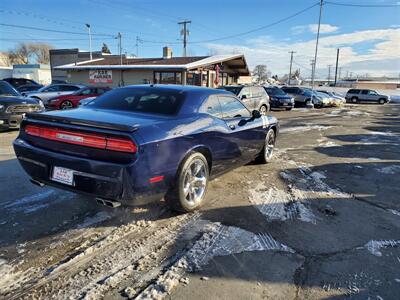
(83, 139)
(123, 145)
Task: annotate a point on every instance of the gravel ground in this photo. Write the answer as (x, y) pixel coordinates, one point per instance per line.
(322, 221)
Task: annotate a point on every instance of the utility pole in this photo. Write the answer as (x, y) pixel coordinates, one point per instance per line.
(137, 46)
(337, 65)
(329, 73)
(290, 68)
(90, 41)
(185, 33)
(321, 3)
(119, 37)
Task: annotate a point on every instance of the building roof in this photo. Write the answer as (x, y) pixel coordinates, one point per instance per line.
(236, 62)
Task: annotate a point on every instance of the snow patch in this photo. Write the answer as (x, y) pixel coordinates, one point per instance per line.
(395, 212)
(303, 128)
(375, 246)
(97, 218)
(32, 203)
(390, 169)
(217, 240)
(278, 205)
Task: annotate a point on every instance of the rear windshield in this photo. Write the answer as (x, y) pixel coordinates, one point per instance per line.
(143, 100)
(274, 91)
(233, 89)
(7, 89)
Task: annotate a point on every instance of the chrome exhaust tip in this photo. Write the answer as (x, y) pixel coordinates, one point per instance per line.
(37, 182)
(109, 203)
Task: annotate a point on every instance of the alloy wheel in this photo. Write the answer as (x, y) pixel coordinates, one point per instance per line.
(195, 182)
(66, 105)
(269, 145)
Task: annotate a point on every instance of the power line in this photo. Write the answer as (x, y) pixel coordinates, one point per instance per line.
(52, 30)
(360, 5)
(258, 28)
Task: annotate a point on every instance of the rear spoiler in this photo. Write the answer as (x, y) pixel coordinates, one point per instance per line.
(73, 121)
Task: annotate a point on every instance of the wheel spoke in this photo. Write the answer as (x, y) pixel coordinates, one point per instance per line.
(200, 181)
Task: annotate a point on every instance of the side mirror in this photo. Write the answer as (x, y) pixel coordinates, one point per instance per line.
(256, 114)
(243, 97)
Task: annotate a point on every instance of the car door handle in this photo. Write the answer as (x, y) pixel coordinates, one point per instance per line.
(232, 127)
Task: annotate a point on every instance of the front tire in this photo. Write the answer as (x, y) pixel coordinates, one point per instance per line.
(66, 105)
(381, 101)
(266, 154)
(191, 184)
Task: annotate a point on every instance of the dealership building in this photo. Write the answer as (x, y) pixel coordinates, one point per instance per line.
(113, 71)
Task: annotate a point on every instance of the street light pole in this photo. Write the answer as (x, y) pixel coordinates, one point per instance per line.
(90, 41)
(321, 3)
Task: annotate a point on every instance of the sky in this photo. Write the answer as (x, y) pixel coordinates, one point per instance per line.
(368, 37)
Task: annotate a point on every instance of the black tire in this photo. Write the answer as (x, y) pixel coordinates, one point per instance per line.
(381, 101)
(266, 156)
(354, 100)
(288, 108)
(66, 104)
(176, 198)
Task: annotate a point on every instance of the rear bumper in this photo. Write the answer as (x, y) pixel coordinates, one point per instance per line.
(281, 104)
(10, 121)
(100, 179)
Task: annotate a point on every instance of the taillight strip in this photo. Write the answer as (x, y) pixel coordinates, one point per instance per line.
(83, 139)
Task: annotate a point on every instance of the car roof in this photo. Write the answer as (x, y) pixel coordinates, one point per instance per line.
(181, 88)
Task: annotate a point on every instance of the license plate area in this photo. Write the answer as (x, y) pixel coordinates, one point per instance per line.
(63, 175)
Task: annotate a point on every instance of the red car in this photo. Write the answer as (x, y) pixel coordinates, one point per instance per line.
(72, 100)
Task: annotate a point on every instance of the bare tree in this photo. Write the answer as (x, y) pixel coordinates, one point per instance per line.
(5, 59)
(24, 53)
(260, 71)
(41, 52)
(20, 54)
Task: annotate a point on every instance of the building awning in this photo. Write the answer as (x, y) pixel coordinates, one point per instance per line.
(235, 62)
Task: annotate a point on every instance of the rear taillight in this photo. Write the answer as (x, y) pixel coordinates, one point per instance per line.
(83, 139)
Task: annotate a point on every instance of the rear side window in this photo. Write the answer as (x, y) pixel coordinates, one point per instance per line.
(365, 92)
(69, 88)
(353, 91)
(291, 90)
(212, 107)
(142, 100)
(246, 91)
(53, 88)
(232, 108)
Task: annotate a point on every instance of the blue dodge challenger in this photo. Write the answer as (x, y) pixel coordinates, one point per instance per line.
(139, 143)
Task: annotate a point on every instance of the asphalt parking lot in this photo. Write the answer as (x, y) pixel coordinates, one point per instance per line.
(322, 221)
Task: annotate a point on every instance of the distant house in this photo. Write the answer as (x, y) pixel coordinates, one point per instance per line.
(112, 70)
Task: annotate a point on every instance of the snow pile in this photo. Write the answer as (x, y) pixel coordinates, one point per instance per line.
(375, 246)
(217, 240)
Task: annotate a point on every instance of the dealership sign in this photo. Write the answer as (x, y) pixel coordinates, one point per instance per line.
(100, 76)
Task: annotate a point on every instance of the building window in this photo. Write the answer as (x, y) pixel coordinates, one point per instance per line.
(168, 77)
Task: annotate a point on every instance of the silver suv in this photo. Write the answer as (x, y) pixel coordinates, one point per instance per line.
(360, 95)
(253, 97)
